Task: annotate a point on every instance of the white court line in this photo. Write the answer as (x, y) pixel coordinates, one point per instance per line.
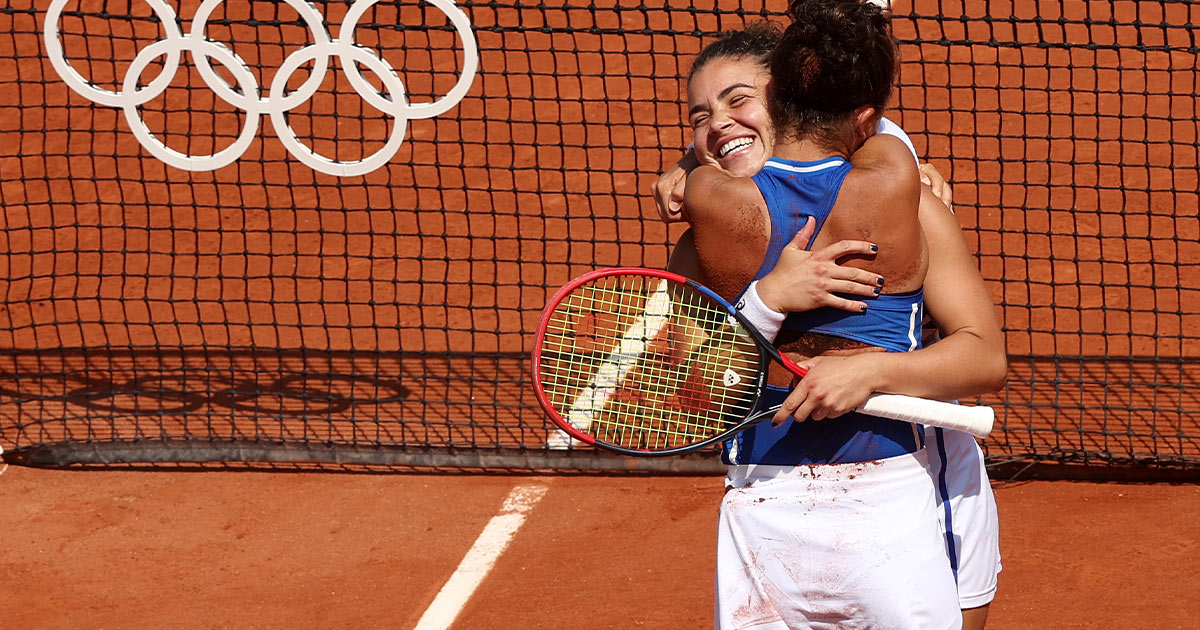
(480, 558)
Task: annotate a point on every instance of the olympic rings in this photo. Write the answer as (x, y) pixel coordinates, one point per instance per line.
(248, 95)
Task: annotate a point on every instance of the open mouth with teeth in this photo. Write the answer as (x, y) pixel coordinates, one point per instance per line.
(734, 145)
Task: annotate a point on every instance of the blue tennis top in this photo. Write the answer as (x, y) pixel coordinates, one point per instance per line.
(795, 191)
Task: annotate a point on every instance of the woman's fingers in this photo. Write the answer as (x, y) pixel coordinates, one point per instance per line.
(799, 405)
(933, 178)
(858, 282)
(668, 194)
(804, 235)
(833, 387)
(848, 280)
(803, 280)
(792, 406)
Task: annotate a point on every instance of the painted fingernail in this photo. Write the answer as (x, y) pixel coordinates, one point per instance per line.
(874, 247)
(879, 280)
(878, 290)
(863, 308)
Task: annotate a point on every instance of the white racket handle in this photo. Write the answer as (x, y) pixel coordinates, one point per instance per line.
(976, 420)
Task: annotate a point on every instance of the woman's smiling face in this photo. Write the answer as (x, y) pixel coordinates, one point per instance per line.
(728, 114)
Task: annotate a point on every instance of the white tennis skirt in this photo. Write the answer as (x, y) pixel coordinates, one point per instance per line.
(833, 546)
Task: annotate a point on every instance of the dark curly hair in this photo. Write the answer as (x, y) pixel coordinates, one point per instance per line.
(836, 56)
(757, 41)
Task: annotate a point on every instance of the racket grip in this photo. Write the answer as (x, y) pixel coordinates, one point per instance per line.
(976, 420)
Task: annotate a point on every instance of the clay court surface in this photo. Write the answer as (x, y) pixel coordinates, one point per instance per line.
(246, 549)
(479, 194)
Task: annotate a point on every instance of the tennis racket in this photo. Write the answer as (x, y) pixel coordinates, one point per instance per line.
(648, 362)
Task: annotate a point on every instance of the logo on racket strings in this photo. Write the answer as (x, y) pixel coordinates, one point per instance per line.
(731, 378)
(278, 102)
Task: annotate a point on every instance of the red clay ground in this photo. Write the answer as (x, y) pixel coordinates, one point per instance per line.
(227, 549)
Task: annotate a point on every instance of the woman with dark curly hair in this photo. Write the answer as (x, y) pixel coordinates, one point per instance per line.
(829, 523)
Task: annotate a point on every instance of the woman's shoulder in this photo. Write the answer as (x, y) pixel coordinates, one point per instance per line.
(886, 162)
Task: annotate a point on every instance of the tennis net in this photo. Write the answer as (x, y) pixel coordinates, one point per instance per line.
(283, 231)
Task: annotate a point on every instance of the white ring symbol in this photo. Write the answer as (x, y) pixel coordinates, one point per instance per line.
(279, 101)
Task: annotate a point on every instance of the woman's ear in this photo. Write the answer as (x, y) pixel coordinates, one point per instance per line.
(866, 121)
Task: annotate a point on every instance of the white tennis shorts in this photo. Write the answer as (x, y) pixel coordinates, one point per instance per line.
(833, 546)
(967, 508)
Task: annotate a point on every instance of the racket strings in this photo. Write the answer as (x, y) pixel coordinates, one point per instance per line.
(642, 362)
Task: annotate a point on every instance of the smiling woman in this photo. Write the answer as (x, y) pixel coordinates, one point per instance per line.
(726, 91)
(741, 222)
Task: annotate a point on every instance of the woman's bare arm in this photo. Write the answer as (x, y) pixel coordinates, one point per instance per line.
(968, 361)
(730, 226)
